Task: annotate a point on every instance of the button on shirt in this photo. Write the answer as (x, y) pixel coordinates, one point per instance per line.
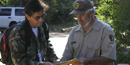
(98, 41)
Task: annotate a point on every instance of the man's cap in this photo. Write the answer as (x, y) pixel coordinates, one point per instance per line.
(81, 6)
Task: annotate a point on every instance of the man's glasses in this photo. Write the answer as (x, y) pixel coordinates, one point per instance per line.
(38, 17)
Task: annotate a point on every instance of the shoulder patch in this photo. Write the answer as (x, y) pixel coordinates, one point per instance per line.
(111, 37)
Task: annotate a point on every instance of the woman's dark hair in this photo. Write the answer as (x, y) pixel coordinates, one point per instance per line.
(33, 6)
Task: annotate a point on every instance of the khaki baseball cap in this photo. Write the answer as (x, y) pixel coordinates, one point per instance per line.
(81, 6)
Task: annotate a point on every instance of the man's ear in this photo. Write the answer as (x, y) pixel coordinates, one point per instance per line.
(27, 16)
(91, 13)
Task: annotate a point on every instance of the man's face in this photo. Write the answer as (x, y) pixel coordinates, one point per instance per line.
(83, 19)
(36, 19)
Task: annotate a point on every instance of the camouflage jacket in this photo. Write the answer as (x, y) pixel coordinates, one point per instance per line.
(24, 45)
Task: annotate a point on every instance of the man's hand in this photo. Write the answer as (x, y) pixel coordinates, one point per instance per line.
(78, 63)
(82, 61)
(96, 61)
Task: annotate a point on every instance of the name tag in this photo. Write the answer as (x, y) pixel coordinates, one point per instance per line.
(73, 42)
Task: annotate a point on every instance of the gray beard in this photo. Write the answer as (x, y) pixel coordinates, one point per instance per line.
(87, 23)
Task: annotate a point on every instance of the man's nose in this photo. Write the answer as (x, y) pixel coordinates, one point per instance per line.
(41, 19)
(79, 17)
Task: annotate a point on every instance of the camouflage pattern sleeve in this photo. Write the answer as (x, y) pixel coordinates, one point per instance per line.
(50, 54)
(18, 49)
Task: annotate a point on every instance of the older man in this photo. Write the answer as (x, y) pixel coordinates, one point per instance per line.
(92, 41)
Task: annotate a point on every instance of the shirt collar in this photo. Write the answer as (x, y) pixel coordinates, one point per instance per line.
(96, 25)
(79, 28)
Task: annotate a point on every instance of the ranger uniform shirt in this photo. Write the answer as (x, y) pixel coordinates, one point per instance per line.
(98, 41)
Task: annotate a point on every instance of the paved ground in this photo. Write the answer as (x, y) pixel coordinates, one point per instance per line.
(58, 41)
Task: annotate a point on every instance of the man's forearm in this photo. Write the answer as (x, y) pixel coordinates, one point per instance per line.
(97, 61)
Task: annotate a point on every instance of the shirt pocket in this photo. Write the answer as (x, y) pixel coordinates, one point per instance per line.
(93, 45)
(93, 49)
(75, 44)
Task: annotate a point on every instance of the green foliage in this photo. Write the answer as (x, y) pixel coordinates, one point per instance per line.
(116, 13)
(104, 11)
(14, 3)
(3, 2)
(11, 3)
(123, 20)
(123, 57)
(59, 10)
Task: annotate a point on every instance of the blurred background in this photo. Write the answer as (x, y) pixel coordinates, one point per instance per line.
(114, 12)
